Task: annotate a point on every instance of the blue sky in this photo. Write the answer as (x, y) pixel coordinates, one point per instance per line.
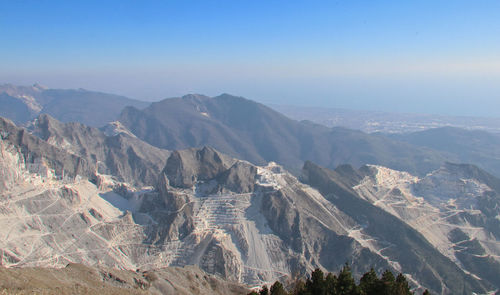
(412, 56)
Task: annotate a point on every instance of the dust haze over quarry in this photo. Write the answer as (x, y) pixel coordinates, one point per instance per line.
(246, 194)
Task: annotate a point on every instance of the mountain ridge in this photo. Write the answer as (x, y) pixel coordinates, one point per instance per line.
(251, 131)
(106, 196)
(116, 153)
(68, 105)
(244, 222)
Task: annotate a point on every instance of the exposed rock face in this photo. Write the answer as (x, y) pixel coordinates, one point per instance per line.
(185, 168)
(282, 226)
(456, 208)
(48, 220)
(57, 208)
(229, 217)
(38, 156)
(246, 223)
(119, 154)
(407, 250)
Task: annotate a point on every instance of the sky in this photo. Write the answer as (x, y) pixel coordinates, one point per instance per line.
(440, 57)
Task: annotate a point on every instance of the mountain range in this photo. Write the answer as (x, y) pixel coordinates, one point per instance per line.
(24, 103)
(251, 131)
(247, 195)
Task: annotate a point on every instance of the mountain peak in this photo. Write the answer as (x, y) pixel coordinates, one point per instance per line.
(39, 87)
(185, 166)
(45, 117)
(228, 96)
(194, 96)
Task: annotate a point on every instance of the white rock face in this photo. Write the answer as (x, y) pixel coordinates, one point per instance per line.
(234, 224)
(25, 94)
(49, 220)
(245, 223)
(115, 128)
(437, 205)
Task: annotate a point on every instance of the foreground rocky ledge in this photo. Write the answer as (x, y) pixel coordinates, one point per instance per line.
(81, 279)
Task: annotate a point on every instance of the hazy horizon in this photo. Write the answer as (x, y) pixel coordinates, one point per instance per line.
(425, 57)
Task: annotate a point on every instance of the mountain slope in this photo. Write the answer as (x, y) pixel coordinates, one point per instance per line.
(251, 131)
(243, 222)
(38, 156)
(455, 208)
(49, 221)
(246, 223)
(88, 107)
(81, 279)
(14, 109)
(404, 246)
(113, 152)
(465, 146)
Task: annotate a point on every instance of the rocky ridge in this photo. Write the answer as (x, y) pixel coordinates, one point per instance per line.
(456, 208)
(113, 150)
(250, 131)
(246, 223)
(24, 103)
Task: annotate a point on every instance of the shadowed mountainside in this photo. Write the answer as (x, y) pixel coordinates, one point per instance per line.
(113, 151)
(23, 103)
(408, 247)
(251, 131)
